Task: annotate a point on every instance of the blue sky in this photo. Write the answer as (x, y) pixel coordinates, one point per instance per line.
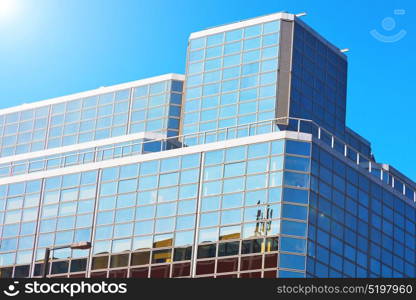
(50, 48)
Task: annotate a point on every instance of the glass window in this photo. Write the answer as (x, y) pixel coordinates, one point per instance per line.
(188, 191)
(270, 39)
(297, 163)
(251, 44)
(65, 223)
(185, 222)
(269, 52)
(87, 192)
(233, 35)
(231, 248)
(210, 203)
(277, 147)
(251, 56)
(145, 212)
(50, 211)
(147, 197)
(292, 245)
(296, 179)
(233, 185)
(252, 31)
(157, 88)
(235, 154)
(234, 169)
(250, 69)
(232, 60)
(209, 219)
(256, 181)
(300, 148)
(230, 232)
(196, 55)
(149, 167)
(121, 245)
(190, 161)
(127, 186)
(169, 194)
(129, 171)
(253, 213)
(149, 182)
(184, 238)
(64, 237)
(124, 215)
(294, 211)
(293, 228)
(227, 74)
(215, 39)
(231, 216)
(232, 200)
(164, 210)
(276, 163)
(186, 207)
(189, 176)
(271, 27)
(212, 188)
(165, 225)
(214, 157)
(208, 235)
(213, 52)
(170, 164)
(257, 166)
(212, 64)
(294, 195)
(169, 179)
(275, 179)
(292, 261)
(108, 188)
(143, 227)
(256, 197)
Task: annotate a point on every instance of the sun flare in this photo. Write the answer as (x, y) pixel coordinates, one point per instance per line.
(7, 8)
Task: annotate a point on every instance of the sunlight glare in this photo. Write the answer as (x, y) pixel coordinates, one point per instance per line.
(7, 9)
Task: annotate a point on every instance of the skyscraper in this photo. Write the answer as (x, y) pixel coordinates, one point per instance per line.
(244, 167)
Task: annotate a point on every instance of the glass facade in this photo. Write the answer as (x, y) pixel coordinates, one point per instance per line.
(319, 81)
(357, 227)
(231, 78)
(232, 211)
(211, 186)
(150, 107)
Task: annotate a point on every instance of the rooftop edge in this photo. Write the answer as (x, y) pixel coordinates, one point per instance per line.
(94, 92)
(241, 24)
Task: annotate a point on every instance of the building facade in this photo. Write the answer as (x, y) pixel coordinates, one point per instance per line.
(243, 167)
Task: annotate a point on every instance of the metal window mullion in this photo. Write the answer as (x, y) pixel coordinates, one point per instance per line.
(197, 215)
(48, 127)
(94, 224)
(37, 233)
(130, 111)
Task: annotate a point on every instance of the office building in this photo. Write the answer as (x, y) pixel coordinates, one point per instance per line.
(243, 167)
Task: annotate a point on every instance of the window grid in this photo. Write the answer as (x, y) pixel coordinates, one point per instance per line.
(87, 119)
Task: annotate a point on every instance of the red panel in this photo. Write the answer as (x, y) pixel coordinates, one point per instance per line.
(118, 274)
(99, 275)
(227, 265)
(270, 274)
(251, 262)
(139, 273)
(180, 270)
(160, 271)
(81, 275)
(270, 261)
(205, 267)
(227, 276)
(251, 275)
